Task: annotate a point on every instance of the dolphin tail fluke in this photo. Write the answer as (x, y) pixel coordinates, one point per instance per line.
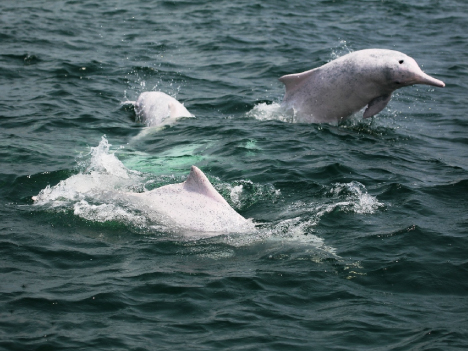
(128, 103)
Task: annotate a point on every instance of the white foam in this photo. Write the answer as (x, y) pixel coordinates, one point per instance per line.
(302, 218)
(95, 192)
(104, 172)
(243, 193)
(346, 197)
(236, 192)
(356, 198)
(104, 162)
(107, 212)
(274, 111)
(107, 191)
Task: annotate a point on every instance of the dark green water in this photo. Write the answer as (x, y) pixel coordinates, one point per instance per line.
(362, 228)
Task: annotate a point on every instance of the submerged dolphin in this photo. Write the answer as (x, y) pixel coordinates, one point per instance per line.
(155, 108)
(336, 90)
(194, 205)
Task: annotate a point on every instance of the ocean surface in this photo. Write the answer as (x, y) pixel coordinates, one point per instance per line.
(361, 228)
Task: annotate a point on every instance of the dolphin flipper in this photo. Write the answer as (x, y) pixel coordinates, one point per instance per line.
(376, 105)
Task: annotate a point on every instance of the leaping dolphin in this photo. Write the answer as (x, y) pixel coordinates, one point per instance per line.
(336, 90)
(155, 108)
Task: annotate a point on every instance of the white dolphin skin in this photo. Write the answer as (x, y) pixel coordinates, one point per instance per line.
(155, 108)
(336, 90)
(194, 205)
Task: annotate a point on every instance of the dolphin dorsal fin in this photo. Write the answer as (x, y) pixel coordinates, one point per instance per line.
(199, 183)
(295, 80)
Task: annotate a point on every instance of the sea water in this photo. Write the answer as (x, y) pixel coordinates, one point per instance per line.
(360, 239)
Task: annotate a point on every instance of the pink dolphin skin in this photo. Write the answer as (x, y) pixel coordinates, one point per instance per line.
(193, 205)
(155, 108)
(333, 92)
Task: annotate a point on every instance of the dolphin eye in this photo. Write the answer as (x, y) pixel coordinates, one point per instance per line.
(400, 62)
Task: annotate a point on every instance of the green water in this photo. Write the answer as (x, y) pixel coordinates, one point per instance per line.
(361, 228)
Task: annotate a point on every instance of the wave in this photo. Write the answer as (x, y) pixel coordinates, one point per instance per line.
(91, 195)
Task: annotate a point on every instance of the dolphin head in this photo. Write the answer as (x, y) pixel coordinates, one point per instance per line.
(404, 71)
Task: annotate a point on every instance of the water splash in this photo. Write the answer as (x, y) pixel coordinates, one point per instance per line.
(267, 112)
(107, 213)
(105, 191)
(244, 193)
(101, 173)
(93, 194)
(302, 218)
(341, 50)
(356, 198)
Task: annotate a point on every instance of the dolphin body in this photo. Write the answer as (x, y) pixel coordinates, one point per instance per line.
(192, 208)
(336, 90)
(155, 108)
(193, 205)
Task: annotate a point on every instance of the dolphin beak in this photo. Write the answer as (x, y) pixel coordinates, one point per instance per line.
(428, 80)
